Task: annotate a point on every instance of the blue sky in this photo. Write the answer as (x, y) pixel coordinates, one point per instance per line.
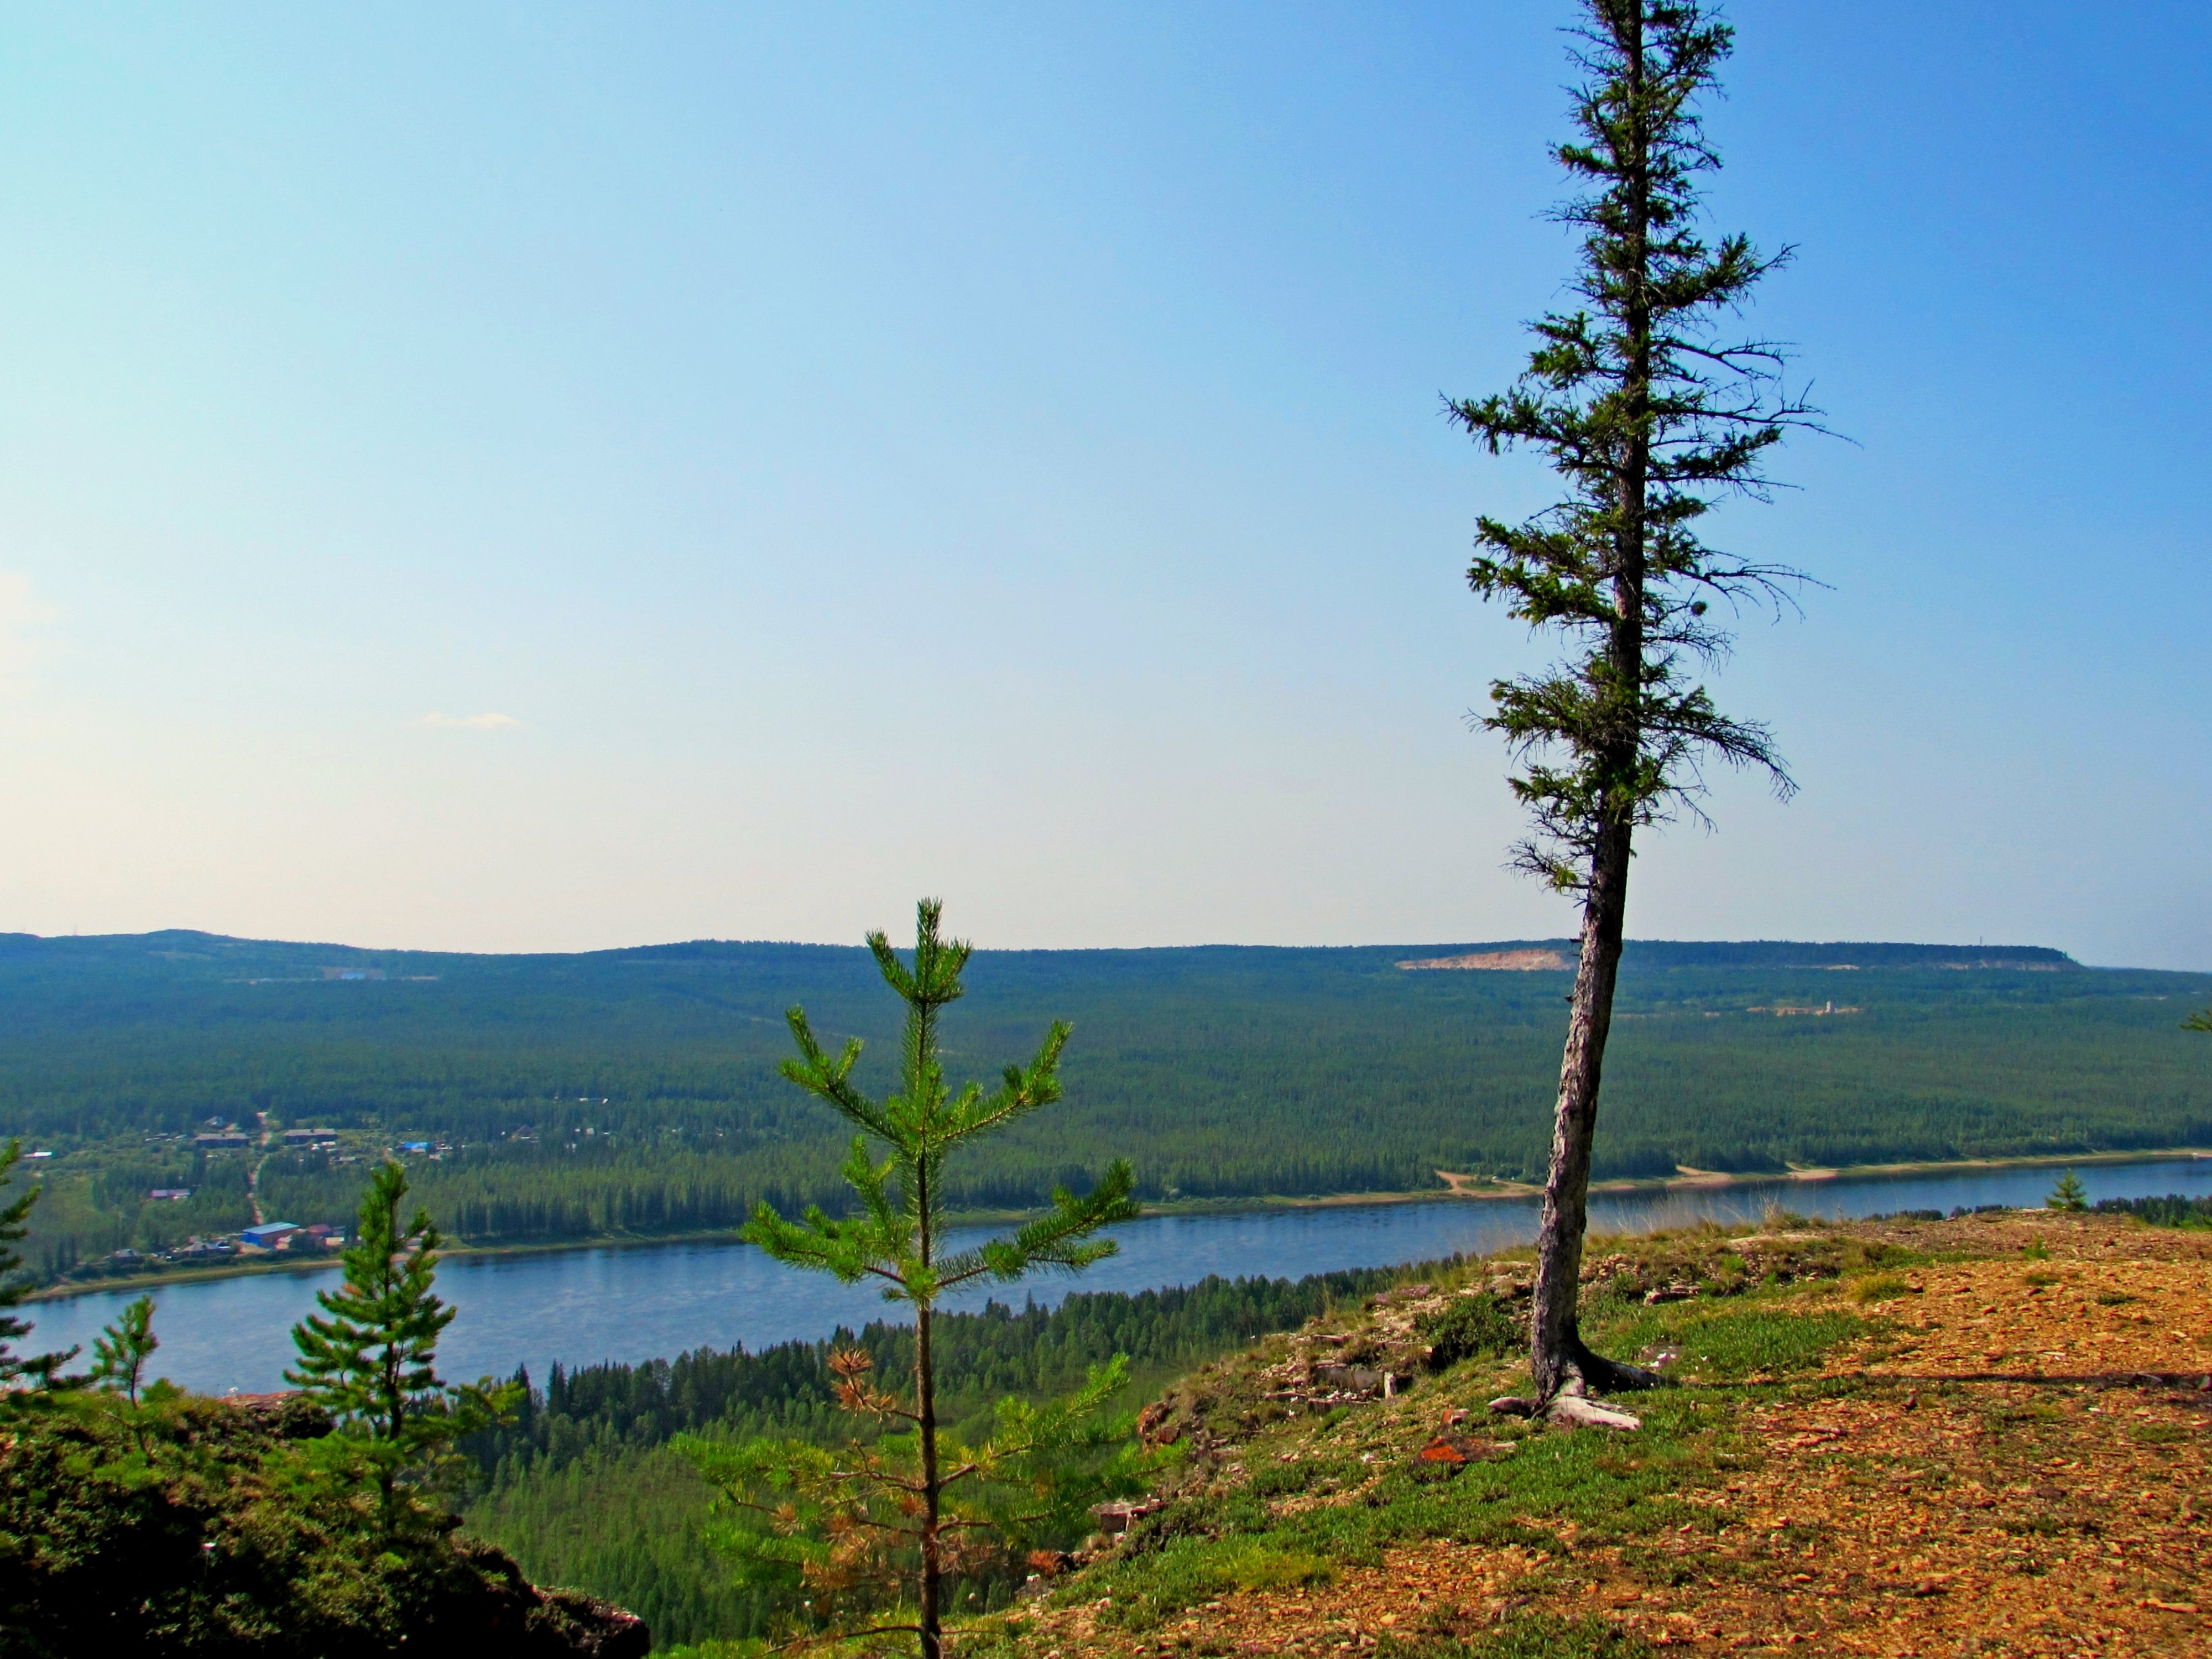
(550, 477)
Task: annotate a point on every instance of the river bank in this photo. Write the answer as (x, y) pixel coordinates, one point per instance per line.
(1455, 1188)
(581, 1306)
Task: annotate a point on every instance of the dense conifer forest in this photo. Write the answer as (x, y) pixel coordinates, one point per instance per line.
(636, 1091)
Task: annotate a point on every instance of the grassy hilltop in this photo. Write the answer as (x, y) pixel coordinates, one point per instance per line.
(1979, 1436)
(636, 1092)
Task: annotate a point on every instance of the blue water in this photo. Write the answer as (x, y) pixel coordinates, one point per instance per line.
(646, 1302)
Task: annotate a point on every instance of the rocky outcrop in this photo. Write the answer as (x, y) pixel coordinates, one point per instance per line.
(244, 1528)
(506, 1614)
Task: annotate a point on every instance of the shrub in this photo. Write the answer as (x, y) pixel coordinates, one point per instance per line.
(1472, 1328)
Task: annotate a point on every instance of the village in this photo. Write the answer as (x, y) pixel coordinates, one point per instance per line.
(267, 1239)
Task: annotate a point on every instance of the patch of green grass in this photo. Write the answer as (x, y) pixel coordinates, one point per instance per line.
(1251, 1564)
(1534, 1636)
(2112, 1298)
(1878, 1287)
(1188, 1570)
(1759, 1335)
(1609, 1487)
(1863, 1253)
(1281, 1479)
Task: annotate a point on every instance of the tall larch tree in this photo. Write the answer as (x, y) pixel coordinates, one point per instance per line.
(1651, 413)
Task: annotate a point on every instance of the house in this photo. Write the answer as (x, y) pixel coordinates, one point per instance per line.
(311, 1138)
(175, 1194)
(269, 1232)
(227, 1140)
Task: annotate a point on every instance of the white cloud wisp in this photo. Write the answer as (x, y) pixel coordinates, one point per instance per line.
(467, 722)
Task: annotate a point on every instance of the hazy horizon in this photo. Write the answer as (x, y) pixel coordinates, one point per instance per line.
(985, 947)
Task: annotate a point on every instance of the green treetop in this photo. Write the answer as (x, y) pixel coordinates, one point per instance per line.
(120, 1351)
(2069, 1194)
(372, 1363)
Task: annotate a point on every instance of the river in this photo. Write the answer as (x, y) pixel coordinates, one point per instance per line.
(643, 1302)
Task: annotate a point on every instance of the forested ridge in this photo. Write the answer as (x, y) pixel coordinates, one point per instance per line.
(637, 1091)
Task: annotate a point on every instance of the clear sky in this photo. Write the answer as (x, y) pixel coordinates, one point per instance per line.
(540, 476)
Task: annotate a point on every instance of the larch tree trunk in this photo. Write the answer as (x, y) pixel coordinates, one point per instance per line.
(1558, 1357)
(1558, 1361)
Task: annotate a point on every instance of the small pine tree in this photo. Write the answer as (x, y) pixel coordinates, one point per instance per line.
(2200, 1021)
(372, 1363)
(16, 1369)
(863, 1524)
(119, 1352)
(2069, 1195)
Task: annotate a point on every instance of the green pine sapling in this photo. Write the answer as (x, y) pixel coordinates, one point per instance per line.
(372, 1363)
(2069, 1195)
(120, 1351)
(859, 1528)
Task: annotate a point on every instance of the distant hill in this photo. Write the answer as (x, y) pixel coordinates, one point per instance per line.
(182, 951)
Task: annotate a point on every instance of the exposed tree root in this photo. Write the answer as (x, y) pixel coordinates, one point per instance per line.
(1603, 1376)
(1580, 1411)
(1574, 1410)
(1587, 1374)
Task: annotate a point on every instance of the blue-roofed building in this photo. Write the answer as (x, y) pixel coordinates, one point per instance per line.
(269, 1232)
